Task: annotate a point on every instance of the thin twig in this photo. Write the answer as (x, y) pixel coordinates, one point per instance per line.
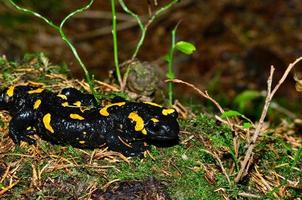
(144, 27)
(244, 194)
(234, 125)
(8, 188)
(252, 144)
(203, 94)
(220, 164)
(269, 96)
(59, 28)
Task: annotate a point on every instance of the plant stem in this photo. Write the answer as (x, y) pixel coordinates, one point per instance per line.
(270, 94)
(170, 74)
(143, 27)
(115, 45)
(63, 36)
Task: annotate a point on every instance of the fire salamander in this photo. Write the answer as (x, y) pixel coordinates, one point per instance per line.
(71, 117)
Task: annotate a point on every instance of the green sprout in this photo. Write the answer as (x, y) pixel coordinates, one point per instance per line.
(115, 45)
(182, 46)
(144, 27)
(59, 28)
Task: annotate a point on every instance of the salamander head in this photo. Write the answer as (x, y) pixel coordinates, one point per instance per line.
(155, 122)
(144, 120)
(165, 128)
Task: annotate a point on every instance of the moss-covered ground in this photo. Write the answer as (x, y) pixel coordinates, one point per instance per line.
(191, 170)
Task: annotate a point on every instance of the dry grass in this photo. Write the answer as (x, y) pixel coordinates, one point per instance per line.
(46, 171)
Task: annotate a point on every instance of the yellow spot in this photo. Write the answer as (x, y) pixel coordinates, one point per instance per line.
(139, 122)
(46, 122)
(84, 133)
(65, 104)
(153, 104)
(168, 111)
(37, 104)
(77, 103)
(76, 116)
(10, 91)
(35, 83)
(144, 131)
(82, 142)
(62, 96)
(28, 128)
(154, 120)
(36, 91)
(104, 111)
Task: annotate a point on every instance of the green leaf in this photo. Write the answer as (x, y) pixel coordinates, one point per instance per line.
(231, 113)
(185, 47)
(247, 125)
(245, 97)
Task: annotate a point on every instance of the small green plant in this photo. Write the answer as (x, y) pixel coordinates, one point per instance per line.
(59, 28)
(115, 45)
(143, 30)
(144, 27)
(182, 46)
(247, 123)
(244, 98)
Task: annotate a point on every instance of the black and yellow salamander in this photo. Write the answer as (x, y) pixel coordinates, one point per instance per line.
(71, 117)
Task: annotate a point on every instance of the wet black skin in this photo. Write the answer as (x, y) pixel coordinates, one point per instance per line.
(116, 131)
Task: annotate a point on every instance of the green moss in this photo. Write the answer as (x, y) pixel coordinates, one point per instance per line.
(38, 67)
(181, 166)
(1, 124)
(178, 166)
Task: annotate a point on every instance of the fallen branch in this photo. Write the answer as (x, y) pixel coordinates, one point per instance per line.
(269, 96)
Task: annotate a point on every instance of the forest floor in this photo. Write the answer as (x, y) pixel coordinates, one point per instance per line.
(236, 42)
(202, 166)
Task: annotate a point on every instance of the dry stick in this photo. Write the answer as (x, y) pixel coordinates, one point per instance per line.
(207, 96)
(204, 94)
(220, 163)
(8, 188)
(244, 194)
(269, 96)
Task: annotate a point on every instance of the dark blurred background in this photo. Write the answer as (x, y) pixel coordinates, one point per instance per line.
(236, 41)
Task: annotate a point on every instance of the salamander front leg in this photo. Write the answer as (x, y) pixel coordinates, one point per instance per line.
(127, 148)
(18, 128)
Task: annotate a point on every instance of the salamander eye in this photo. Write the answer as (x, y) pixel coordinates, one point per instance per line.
(169, 112)
(174, 114)
(162, 129)
(153, 125)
